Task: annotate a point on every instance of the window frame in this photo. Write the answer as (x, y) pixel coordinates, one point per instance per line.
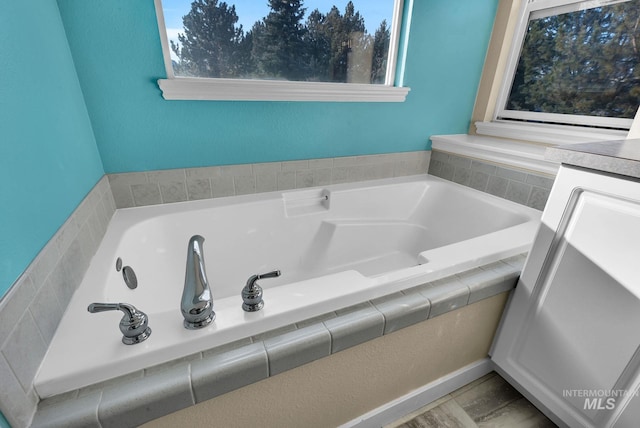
(502, 115)
(224, 89)
(518, 144)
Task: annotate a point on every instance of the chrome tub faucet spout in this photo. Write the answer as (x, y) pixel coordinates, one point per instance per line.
(197, 302)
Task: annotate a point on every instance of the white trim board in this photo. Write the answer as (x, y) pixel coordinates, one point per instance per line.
(190, 88)
(420, 397)
(546, 133)
(511, 153)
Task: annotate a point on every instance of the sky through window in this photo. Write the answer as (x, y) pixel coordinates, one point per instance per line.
(250, 11)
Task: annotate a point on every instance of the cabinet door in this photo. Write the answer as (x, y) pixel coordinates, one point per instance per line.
(571, 334)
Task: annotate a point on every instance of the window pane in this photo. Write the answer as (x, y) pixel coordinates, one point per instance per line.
(312, 40)
(584, 62)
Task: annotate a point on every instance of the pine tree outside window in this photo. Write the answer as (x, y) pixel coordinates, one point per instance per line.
(289, 53)
(574, 63)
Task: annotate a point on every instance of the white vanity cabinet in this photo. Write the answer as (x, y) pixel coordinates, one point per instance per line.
(570, 337)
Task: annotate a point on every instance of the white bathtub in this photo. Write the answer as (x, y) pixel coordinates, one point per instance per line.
(335, 246)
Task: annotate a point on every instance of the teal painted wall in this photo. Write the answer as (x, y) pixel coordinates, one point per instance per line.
(80, 99)
(116, 48)
(60, 136)
(48, 155)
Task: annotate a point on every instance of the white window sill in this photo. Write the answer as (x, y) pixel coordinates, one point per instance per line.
(547, 134)
(508, 152)
(185, 88)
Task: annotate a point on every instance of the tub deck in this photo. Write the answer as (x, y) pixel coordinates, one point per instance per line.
(157, 391)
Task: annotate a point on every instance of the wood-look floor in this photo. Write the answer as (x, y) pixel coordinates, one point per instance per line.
(487, 402)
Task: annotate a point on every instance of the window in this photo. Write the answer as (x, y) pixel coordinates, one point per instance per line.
(574, 63)
(280, 50)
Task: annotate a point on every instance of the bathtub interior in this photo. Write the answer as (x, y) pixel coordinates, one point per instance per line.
(373, 230)
(336, 247)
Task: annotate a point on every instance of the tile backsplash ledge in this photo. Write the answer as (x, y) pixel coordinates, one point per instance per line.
(524, 187)
(176, 185)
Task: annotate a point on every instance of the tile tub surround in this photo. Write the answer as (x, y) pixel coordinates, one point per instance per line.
(32, 308)
(526, 188)
(177, 185)
(157, 391)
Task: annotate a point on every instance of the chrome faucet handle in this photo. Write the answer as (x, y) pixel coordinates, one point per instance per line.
(252, 292)
(134, 324)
